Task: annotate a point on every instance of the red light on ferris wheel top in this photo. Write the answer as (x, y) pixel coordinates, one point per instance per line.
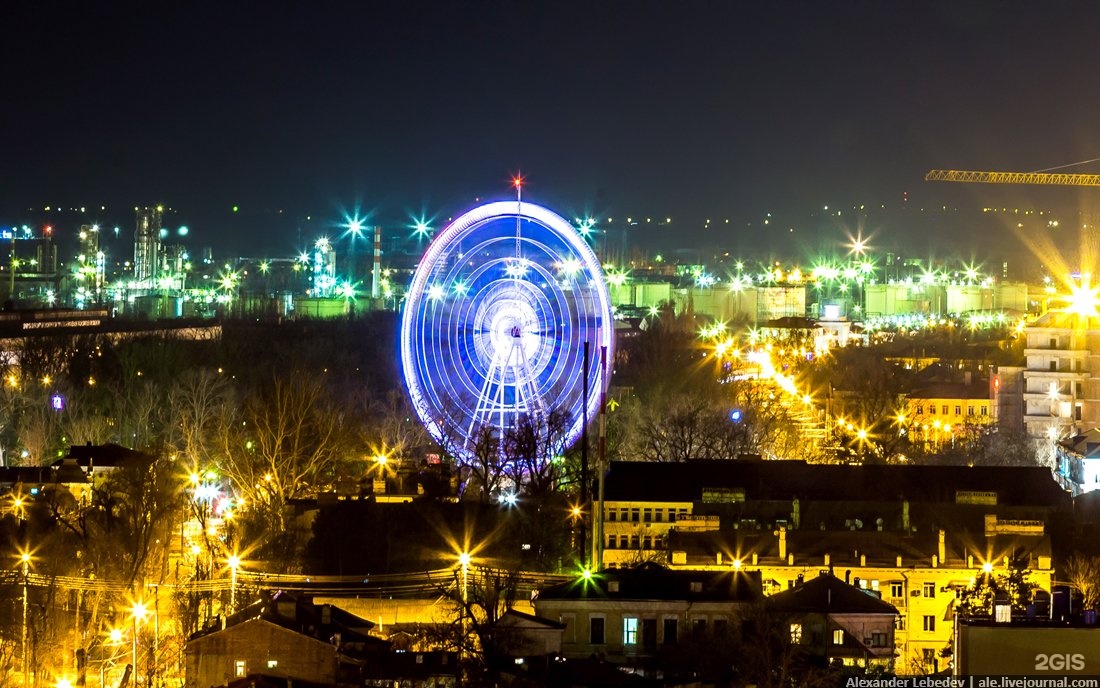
(517, 181)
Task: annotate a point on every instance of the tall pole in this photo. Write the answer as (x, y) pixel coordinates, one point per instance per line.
(583, 549)
(598, 535)
(26, 564)
(376, 268)
(133, 650)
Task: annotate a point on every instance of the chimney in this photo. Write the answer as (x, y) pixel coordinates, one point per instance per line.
(941, 548)
(796, 513)
(905, 515)
(376, 271)
(782, 542)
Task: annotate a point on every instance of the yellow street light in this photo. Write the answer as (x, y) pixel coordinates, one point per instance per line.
(25, 560)
(234, 562)
(138, 611)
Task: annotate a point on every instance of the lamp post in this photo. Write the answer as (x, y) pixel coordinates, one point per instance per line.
(234, 562)
(25, 558)
(355, 230)
(464, 561)
(138, 612)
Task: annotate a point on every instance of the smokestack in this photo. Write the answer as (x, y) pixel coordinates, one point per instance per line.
(941, 549)
(376, 271)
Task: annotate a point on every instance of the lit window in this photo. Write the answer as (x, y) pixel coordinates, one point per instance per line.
(240, 669)
(630, 631)
(272, 663)
(796, 633)
(838, 637)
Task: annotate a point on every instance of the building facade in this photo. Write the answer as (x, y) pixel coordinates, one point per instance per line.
(914, 535)
(1061, 389)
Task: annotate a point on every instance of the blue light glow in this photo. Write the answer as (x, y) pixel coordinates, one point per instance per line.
(491, 334)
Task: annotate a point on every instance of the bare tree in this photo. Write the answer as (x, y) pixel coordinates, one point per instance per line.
(532, 448)
(1083, 572)
(286, 443)
(198, 403)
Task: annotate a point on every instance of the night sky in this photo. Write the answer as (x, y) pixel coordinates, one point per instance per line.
(688, 110)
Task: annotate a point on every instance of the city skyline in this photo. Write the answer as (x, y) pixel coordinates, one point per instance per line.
(409, 109)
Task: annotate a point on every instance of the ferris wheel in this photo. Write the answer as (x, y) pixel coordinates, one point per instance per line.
(495, 324)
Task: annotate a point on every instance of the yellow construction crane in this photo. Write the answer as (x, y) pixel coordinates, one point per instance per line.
(1047, 178)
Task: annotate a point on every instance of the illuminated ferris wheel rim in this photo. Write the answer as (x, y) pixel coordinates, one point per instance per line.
(595, 325)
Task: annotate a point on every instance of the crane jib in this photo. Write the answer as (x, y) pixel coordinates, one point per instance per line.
(1049, 179)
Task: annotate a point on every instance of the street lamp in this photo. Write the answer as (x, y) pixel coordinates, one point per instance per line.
(25, 558)
(234, 563)
(355, 231)
(138, 612)
(464, 561)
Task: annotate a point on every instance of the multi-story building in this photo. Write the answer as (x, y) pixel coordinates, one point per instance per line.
(916, 535)
(1061, 391)
(627, 615)
(941, 413)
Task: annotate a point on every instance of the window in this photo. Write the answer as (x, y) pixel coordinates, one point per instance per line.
(698, 628)
(1078, 389)
(838, 636)
(610, 514)
(647, 515)
(945, 409)
(878, 639)
(658, 515)
(958, 409)
(721, 626)
(899, 623)
(595, 630)
(272, 663)
(635, 514)
(920, 410)
(630, 631)
(896, 590)
(240, 668)
(670, 631)
(635, 542)
(970, 410)
(985, 410)
(611, 540)
(624, 515)
(929, 656)
(1054, 366)
(929, 623)
(647, 542)
(796, 633)
(928, 589)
